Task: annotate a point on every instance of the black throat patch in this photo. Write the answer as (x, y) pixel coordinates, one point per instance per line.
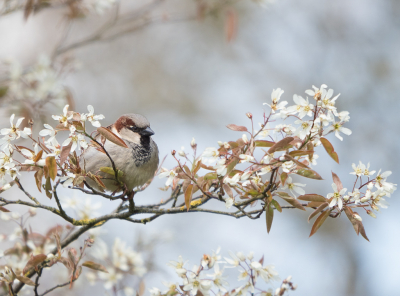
(141, 153)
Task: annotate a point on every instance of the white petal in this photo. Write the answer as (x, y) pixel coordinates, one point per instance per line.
(19, 121)
(12, 119)
(345, 130)
(65, 110)
(90, 109)
(333, 203)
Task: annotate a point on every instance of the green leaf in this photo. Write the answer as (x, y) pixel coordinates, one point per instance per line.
(283, 178)
(309, 174)
(312, 197)
(300, 153)
(320, 220)
(329, 148)
(269, 215)
(263, 143)
(95, 266)
(210, 176)
(276, 205)
(110, 171)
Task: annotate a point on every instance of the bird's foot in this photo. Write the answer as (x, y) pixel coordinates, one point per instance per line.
(131, 202)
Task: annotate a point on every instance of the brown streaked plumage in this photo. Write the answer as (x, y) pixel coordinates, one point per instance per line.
(138, 162)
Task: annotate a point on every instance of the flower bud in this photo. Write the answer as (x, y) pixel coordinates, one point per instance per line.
(220, 144)
(357, 217)
(30, 122)
(365, 199)
(181, 153)
(372, 214)
(226, 145)
(249, 115)
(173, 152)
(375, 207)
(288, 279)
(346, 198)
(32, 212)
(244, 138)
(193, 143)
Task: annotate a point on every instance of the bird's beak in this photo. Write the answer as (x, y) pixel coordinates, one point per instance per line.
(147, 132)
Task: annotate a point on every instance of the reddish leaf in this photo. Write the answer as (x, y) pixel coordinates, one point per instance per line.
(65, 150)
(230, 24)
(4, 210)
(109, 135)
(283, 178)
(269, 215)
(357, 225)
(318, 210)
(300, 164)
(95, 266)
(38, 178)
(314, 204)
(25, 280)
(52, 167)
(309, 174)
(282, 144)
(228, 190)
(312, 197)
(34, 261)
(237, 128)
(337, 181)
(320, 220)
(329, 148)
(48, 188)
(197, 167)
(286, 197)
(187, 170)
(188, 196)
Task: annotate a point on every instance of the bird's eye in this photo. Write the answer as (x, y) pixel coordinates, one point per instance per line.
(133, 128)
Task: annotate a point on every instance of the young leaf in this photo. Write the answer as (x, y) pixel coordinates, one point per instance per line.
(33, 262)
(52, 167)
(300, 152)
(329, 148)
(109, 135)
(25, 280)
(286, 197)
(188, 196)
(95, 266)
(282, 144)
(187, 170)
(230, 24)
(312, 197)
(283, 178)
(276, 205)
(263, 143)
(65, 150)
(309, 174)
(210, 176)
(38, 156)
(337, 181)
(320, 220)
(228, 190)
(4, 210)
(318, 210)
(38, 178)
(269, 215)
(48, 188)
(197, 167)
(237, 128)
(357, 225)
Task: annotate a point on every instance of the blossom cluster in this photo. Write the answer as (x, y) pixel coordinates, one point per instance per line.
(210, 277)
(262, 163)
(35, 159)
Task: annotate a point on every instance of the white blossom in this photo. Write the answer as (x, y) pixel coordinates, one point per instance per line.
(336, 196)
(92, 118)
(275, 97)
(171, 174)
(63, 119)
(294, 187)
(338, 128)
(14, 132)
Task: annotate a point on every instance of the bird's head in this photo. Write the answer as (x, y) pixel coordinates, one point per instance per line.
(134, 128)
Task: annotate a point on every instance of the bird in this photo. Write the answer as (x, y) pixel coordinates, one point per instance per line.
(138, 162)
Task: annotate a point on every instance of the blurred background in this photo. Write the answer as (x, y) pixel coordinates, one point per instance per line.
(192, 67)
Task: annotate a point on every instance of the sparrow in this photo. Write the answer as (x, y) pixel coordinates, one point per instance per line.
(138, 162)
